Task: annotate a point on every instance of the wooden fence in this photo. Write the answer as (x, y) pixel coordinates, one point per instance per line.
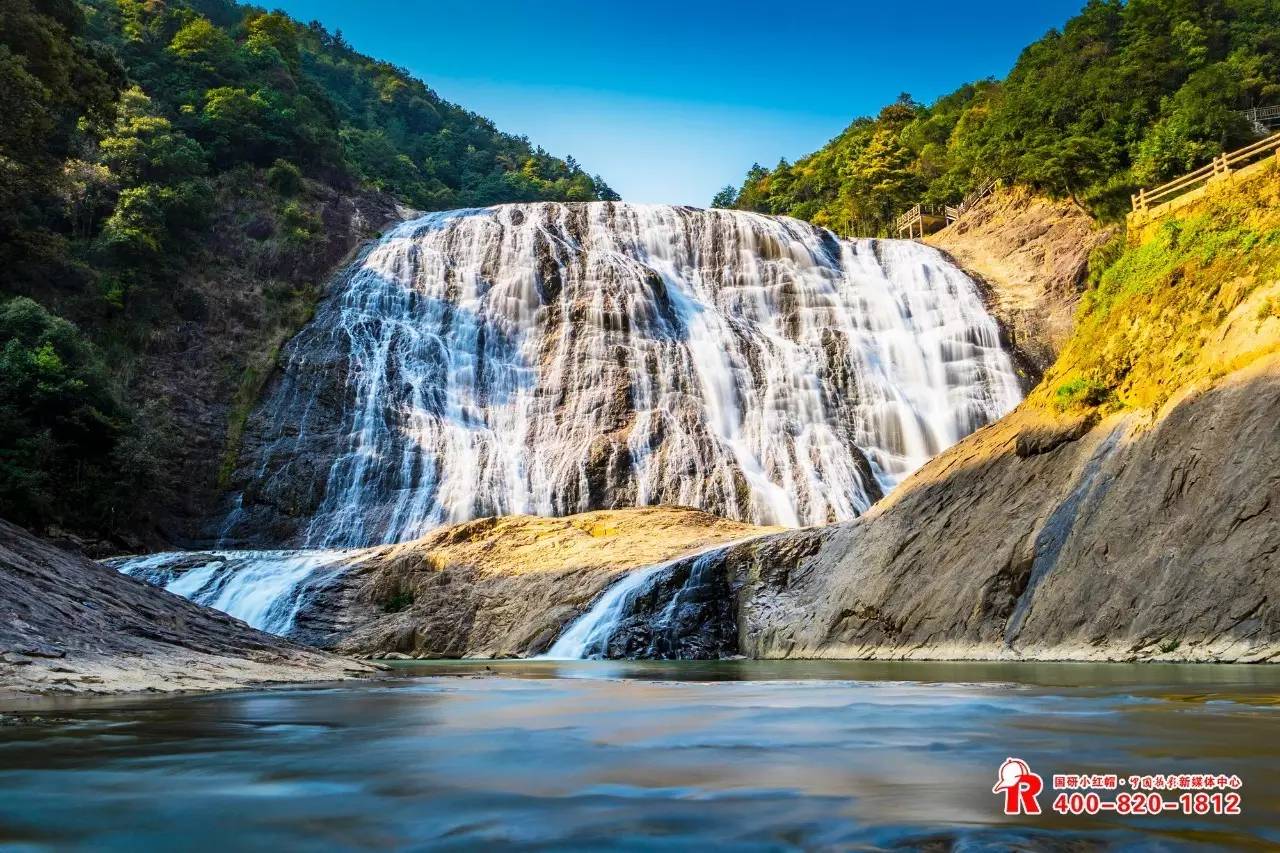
(1145, 200)
(917, 218)
(973, 198)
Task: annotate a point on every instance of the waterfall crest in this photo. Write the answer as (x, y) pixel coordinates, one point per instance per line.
(556, 358)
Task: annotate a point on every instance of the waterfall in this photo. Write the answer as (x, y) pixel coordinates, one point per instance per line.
(557, 358)
(592, 634)
(588, 635)
(267, 589)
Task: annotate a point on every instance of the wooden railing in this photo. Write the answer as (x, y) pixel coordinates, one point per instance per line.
(1221, 165)
(949, 213)
(973, 198)
(915, 218)
(912, 215)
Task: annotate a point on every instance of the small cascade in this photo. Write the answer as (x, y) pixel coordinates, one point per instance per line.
(267, 589)
(588, 636)
(680, 609)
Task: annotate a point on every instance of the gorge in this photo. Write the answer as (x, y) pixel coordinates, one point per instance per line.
(555, 359)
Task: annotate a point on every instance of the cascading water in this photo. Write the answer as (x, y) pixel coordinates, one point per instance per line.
(553, 358)
(264, 588)
(681, 622)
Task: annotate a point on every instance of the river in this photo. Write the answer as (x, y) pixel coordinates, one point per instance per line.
(675, 755)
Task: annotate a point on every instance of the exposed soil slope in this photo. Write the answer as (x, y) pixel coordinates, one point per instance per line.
(1032, 255)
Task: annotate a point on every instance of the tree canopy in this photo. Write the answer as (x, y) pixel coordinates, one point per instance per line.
(131, 127)
(1126, 94)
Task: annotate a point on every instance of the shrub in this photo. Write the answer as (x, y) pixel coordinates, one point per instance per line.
(398, 602)
(1080, 392)
(284, 177)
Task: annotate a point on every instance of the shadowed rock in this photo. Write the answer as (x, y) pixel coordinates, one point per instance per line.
(70, 625)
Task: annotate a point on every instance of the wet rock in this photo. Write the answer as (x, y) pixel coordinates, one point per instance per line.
(502, 587)
(653, 355)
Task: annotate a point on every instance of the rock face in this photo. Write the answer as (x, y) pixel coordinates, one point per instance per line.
(1032, 255)
(246, 295)
(69, 625)
(685, 612)
(560, 358)
(498, 587)
(1138, 537)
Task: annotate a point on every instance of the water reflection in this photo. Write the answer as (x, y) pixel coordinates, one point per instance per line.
(755, 755)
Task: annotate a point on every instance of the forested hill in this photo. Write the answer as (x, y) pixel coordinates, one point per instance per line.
(1127, 94)
(252, 86)
(176, 180)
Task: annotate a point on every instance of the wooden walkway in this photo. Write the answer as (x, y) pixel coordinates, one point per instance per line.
(926, 219)
(1153, 202)
(1263, 119)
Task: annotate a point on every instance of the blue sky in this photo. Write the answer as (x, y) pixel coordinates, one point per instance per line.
(669, 101)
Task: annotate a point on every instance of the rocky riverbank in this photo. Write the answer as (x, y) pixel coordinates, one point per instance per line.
(71, 626)
(1139, 537)
(1125, 511)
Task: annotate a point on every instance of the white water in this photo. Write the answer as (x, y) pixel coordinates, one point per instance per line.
(588, 636)
(550, 359)
(264, 588)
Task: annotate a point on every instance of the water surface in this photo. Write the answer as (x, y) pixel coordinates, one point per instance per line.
(751, 755)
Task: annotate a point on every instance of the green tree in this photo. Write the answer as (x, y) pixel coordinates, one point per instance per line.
(58, 422)
(203, 45)
(726, 197)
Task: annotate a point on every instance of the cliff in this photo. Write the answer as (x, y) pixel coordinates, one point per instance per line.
(69, 625)
(1125, 511)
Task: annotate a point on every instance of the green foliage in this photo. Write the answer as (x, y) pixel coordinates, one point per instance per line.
(59, 423)
(301, 224)
(49, 78)
(1151, 320)
(136, 138)
(201, 45)
(1127, 94)
(1103, 257)
(143, 146)
(254, 87)
(727, 197)
(1080, 392)
(285, 178)
(398, 602)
